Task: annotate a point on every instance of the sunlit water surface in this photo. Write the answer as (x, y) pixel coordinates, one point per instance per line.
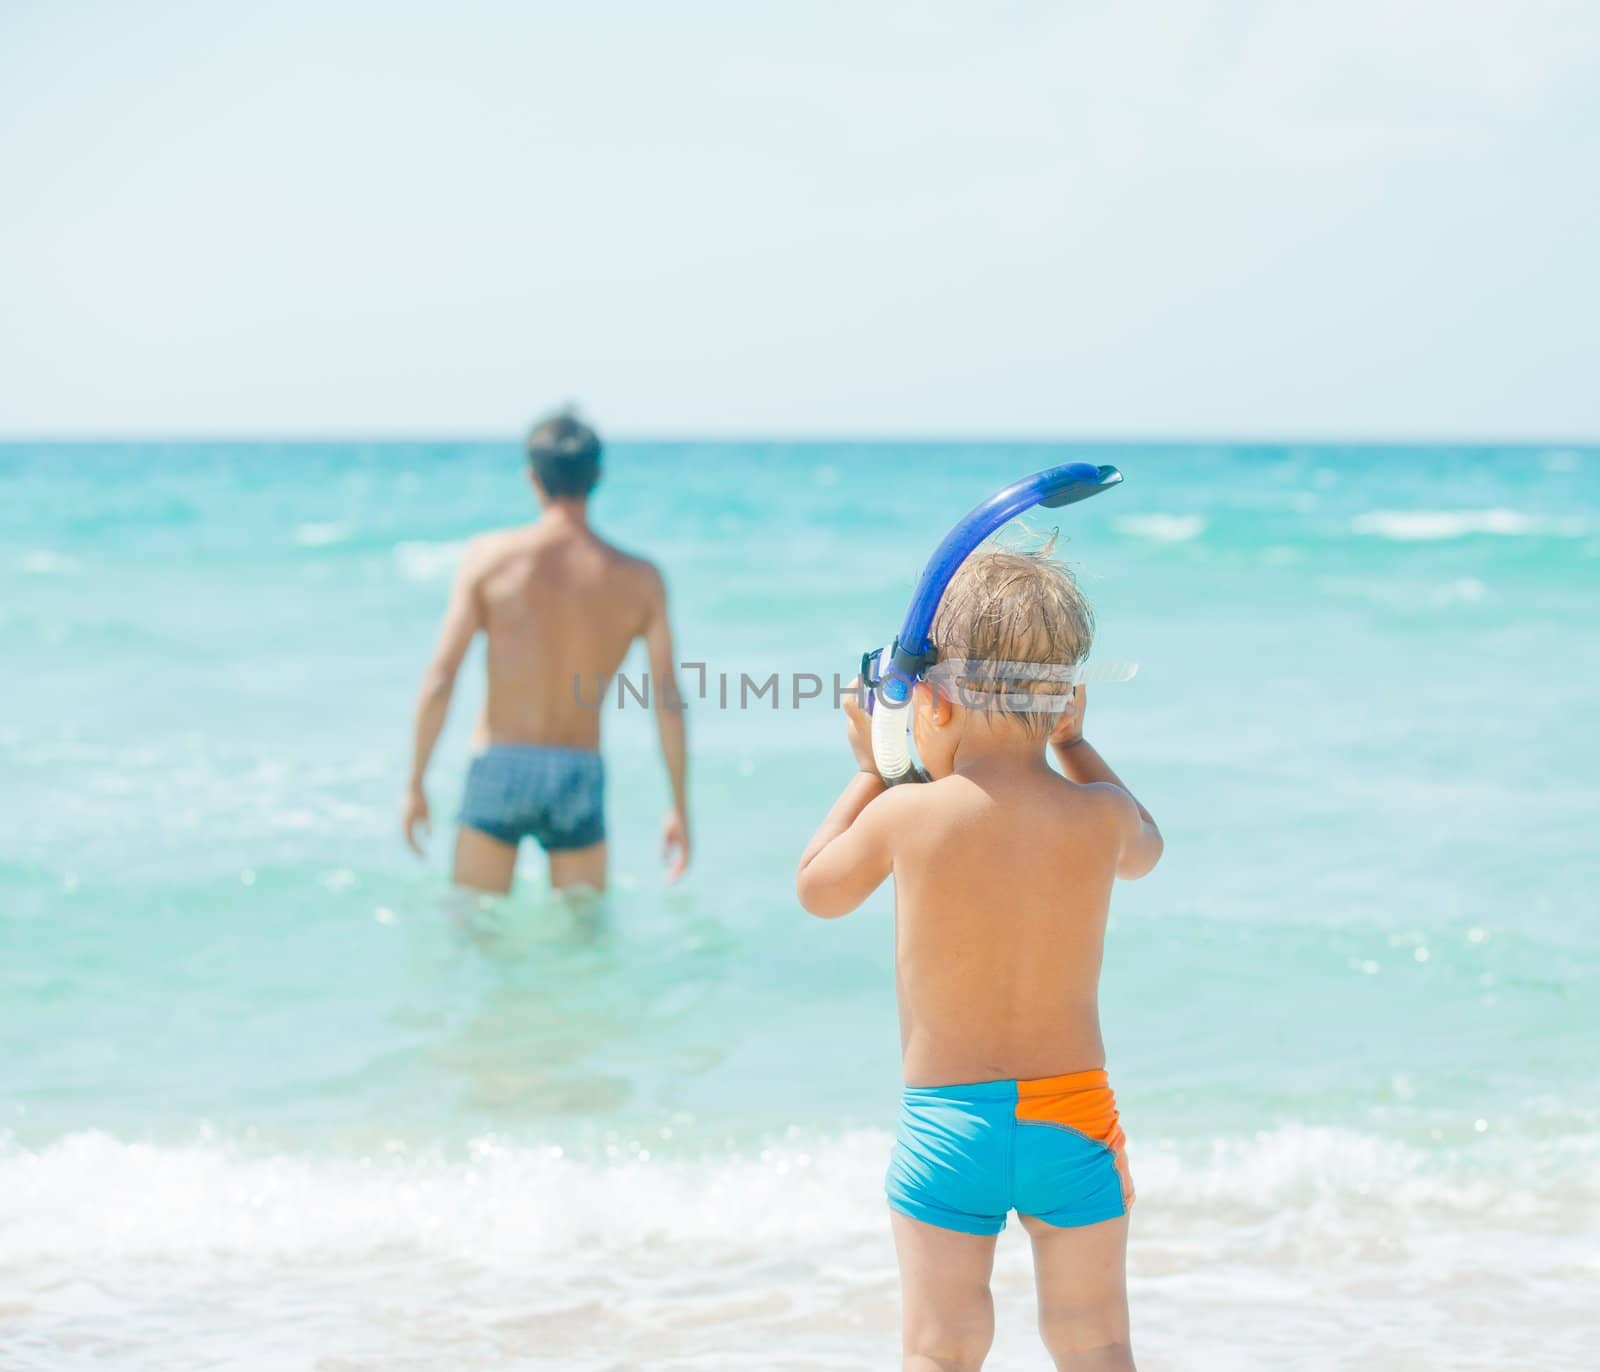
(271, 1095)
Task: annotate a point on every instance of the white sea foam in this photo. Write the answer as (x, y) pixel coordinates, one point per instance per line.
(419, 561)
(1162, 528)
(1307, 1237)
(1414, 526)
(93, 1197)
(321, 535)
(1466, 590)
(44, 562)
(1407, 596)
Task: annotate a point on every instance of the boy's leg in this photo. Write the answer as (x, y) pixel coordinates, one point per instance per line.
(947, 1313)
(483, 863)
(1083, 1294)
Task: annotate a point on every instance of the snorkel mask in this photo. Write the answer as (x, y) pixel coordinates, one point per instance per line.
(890, 672)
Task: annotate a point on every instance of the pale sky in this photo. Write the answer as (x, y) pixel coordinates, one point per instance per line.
(1357, 218)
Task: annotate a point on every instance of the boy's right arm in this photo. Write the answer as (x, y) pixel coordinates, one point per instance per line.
(1142, 843)
(849, 855)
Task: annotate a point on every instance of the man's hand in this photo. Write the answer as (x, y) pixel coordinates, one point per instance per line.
(858, 729)
(675, 844)
(414, 815)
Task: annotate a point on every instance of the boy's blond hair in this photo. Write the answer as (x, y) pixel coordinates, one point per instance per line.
(1006, 605)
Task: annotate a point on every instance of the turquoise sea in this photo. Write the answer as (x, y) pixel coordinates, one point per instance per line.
(273, 1096)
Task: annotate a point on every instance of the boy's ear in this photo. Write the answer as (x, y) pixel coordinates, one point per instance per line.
(932, 705)
(1066, 727)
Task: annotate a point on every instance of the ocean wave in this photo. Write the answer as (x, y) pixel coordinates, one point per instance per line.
(1162, 528)
(44, 562)
(97, 1197)
(1416, 526)
(1466, 590)
(501, 1254)
(321, 535)
(1408, 597)
(421, 561)
(92, 1196)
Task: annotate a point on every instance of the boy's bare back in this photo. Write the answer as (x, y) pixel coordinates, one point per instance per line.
(1002, 866)
(1002, 886)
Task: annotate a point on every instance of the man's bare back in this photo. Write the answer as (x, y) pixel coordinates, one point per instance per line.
(559, 607)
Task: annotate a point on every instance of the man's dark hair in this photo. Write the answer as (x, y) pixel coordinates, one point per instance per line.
(564, 453)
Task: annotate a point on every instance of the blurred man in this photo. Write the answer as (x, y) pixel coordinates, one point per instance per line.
(560, 607)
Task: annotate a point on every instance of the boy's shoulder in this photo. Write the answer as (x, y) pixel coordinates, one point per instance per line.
(955, 792)
(1092, 803)
(929, 803)
(1096, 801)
(897, 806)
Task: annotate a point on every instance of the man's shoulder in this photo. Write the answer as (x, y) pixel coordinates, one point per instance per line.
(494, 547)
(626, 557)
(493, 543)
(639, 571)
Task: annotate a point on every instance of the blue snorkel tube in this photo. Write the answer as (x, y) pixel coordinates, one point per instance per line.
(891, 672)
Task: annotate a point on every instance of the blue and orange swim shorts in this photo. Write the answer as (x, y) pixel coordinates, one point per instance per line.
(966, 1156)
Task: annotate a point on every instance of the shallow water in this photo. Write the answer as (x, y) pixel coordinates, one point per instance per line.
(272, 1096)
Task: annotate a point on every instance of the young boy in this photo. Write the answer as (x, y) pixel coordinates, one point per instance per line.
(1003, 871)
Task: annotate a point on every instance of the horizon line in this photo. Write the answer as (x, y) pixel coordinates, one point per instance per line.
(810, 438)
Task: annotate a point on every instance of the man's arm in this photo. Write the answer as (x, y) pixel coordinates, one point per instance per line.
(463, 617)
(1142, 843)
(669, 728)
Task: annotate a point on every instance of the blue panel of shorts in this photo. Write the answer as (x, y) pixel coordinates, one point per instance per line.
(553, 795)
(963, 1160)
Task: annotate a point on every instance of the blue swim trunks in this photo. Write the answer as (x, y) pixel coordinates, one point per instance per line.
(555, 795)
(1052, 1147)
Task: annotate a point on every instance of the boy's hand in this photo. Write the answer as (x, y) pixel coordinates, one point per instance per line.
(1069, 728)
(858, 729)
